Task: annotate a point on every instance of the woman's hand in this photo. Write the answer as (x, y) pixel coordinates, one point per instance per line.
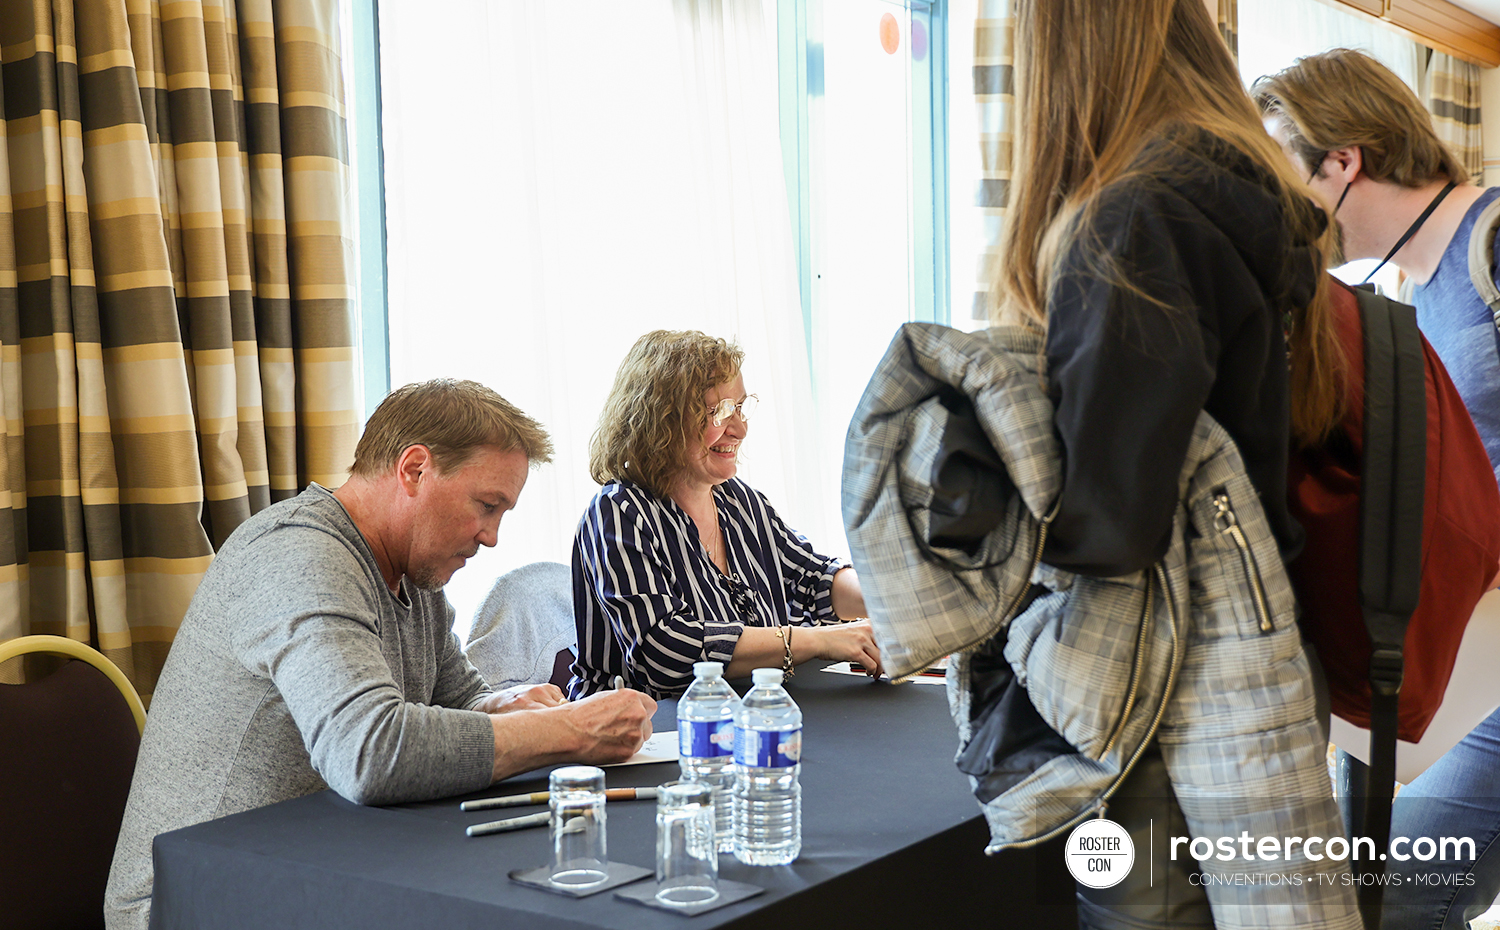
(759, 647)
(843, 642)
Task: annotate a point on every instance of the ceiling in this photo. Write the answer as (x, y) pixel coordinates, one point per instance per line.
(1489, 9)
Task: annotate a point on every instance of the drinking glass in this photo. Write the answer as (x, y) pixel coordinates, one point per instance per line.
(579, 853)
(687, 862)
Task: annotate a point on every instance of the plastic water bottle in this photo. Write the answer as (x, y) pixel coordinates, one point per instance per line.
(767, 760)
(705, 742)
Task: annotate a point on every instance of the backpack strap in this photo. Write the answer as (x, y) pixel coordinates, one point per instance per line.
(1392, 497)
(1482, 258)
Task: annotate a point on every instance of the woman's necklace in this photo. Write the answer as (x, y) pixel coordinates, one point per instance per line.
(716, 545)
(710, 535)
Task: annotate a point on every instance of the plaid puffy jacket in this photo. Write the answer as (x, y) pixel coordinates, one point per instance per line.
(1058, 681)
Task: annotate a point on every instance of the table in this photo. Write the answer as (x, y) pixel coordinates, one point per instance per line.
(891, 837)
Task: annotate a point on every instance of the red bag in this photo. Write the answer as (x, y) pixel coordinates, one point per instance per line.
(1460, 541)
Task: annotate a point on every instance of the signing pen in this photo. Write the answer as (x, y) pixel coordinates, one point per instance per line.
(515, 823)
(541, 797)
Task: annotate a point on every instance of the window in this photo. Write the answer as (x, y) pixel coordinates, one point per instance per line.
(558, 182)
(864, 84)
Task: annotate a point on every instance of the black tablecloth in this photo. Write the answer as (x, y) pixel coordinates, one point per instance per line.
(891, 836)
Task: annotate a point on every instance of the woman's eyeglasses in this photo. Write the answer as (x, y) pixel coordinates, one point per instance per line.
(725, 409)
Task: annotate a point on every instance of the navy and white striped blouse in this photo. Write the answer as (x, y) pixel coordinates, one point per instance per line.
(649, 602)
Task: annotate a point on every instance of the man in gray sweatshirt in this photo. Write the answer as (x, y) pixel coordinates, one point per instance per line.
(318, 651)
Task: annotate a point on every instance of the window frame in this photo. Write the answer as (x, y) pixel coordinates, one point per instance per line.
(368, 161)
(800, 58)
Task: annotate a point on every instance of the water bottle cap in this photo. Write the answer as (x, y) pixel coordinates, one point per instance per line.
(708, 669)
(766, 676)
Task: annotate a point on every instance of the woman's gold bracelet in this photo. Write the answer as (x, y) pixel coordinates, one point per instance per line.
(784, 633)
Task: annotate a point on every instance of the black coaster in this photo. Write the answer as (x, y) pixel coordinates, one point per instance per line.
(619, 874)
(729, 893)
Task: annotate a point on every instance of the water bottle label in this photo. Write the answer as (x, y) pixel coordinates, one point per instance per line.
(768, 749)
(702, 739)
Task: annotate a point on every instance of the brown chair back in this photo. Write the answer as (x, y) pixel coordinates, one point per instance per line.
(69, 747)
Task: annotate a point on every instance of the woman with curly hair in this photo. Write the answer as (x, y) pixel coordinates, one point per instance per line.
(678, 561)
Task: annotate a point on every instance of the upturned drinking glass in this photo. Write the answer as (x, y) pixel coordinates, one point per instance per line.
(580, 855)
(687, 862)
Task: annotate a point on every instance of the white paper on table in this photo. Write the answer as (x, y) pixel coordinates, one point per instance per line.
(661, 747)
(844, 668)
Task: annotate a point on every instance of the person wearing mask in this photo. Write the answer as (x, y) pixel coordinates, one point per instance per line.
(1367, 146)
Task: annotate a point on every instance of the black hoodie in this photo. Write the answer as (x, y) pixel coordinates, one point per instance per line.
(1201, 230)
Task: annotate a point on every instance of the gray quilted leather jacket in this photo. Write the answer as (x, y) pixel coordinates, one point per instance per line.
(1059, 681)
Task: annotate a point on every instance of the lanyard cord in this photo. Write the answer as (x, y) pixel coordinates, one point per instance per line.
(1412, 229)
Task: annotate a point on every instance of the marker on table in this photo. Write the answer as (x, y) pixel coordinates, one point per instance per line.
(514, 823)
(541, 797)
(541, 817)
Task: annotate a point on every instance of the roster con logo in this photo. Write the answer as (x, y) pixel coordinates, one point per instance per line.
(1099, 853)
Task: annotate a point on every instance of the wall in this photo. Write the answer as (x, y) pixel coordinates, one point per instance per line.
(1489, 109)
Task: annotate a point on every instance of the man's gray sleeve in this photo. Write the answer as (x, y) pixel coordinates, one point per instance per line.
(459, 683)
(369, 739)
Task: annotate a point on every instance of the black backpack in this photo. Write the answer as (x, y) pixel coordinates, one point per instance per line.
(1482, 257)
(1392, 498)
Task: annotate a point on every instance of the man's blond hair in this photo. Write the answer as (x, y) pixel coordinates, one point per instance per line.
(453, 419)
(1343, 98)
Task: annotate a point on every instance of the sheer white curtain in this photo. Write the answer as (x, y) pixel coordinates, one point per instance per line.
(560, 179)
(1274, 33)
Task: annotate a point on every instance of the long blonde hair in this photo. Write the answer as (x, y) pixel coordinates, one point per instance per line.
(1097, 80)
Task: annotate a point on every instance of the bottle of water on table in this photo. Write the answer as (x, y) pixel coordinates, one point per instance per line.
(705, 743)
(768, 758)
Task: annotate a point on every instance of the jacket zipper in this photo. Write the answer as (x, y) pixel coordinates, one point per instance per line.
(1229, 525)
(1099, 809)
(1136, 670)
(1036, 559)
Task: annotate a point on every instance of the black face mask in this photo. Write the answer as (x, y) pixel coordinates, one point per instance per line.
(1336, 257)
(1341, 198)
(1410, 230)
(1347, 185)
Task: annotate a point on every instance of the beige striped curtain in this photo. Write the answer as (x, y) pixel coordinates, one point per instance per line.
(1228, 14)
(994, 82)
(176, 313)
(994, 96)
(1452, 94)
